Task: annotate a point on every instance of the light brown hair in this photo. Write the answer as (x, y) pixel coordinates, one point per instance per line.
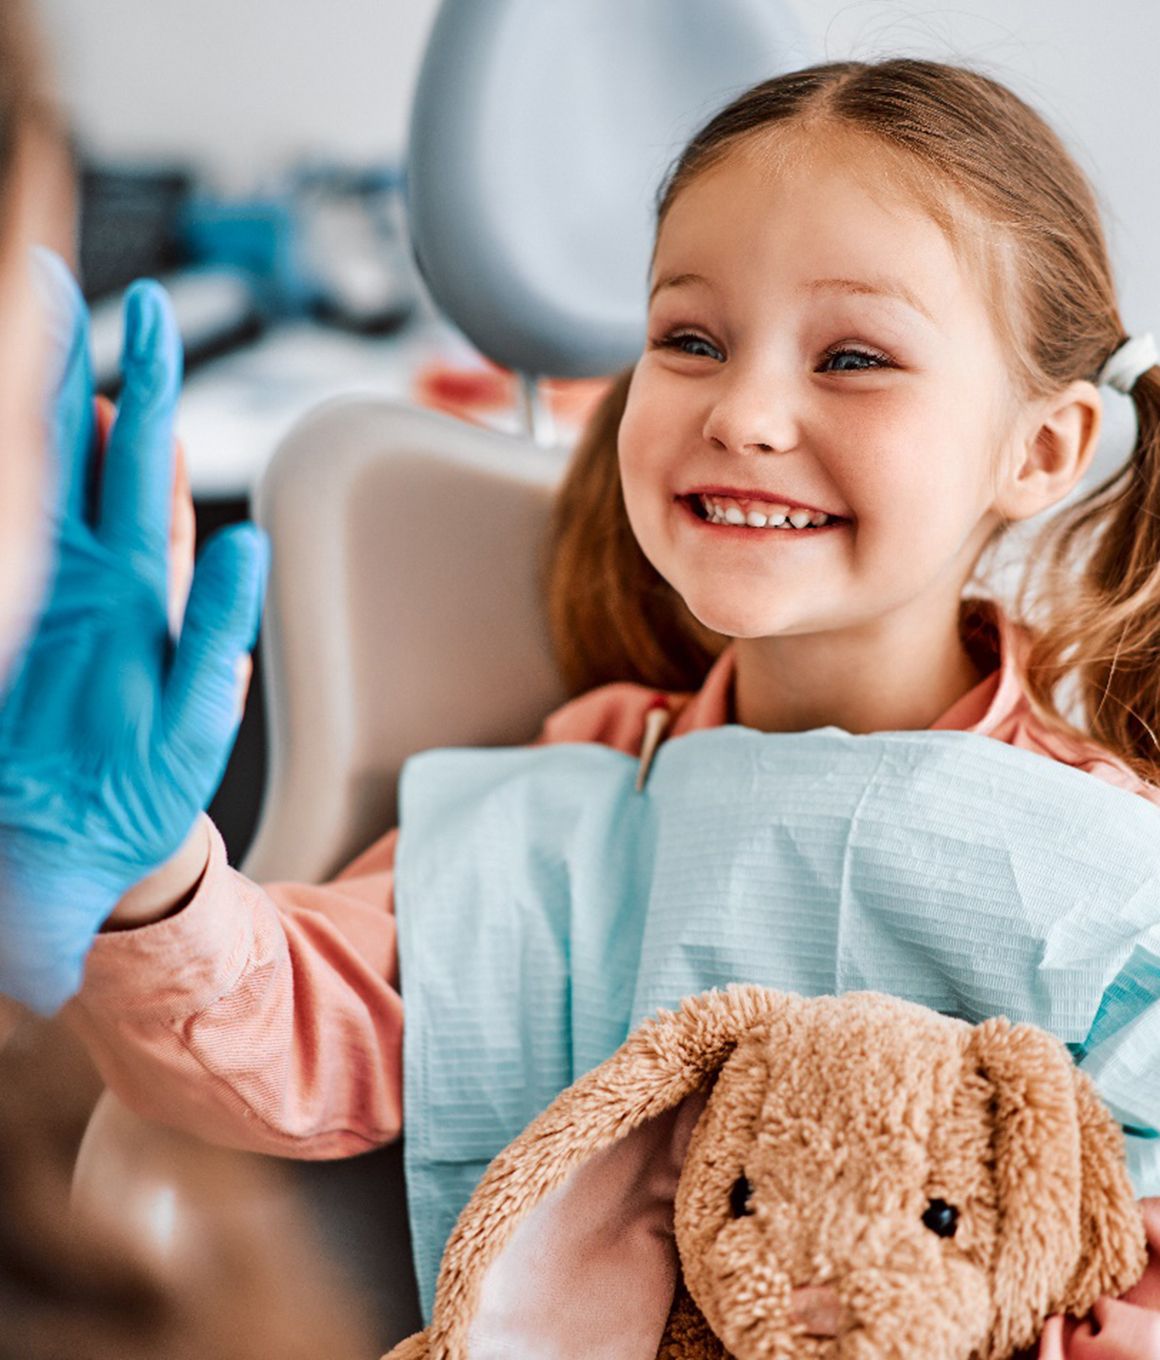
(1012, 200)
(26, 102)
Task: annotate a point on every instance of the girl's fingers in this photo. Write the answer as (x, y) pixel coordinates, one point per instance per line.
(1051, 1341)
(182, 519)
(1126, 1332)
(70, 413)
(244, 674)
(202, 711)
(182, 540)
(137, 480)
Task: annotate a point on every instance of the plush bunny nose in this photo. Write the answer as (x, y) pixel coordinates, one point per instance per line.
(817, 1308)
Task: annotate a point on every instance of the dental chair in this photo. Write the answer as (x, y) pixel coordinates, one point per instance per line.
(404, 607)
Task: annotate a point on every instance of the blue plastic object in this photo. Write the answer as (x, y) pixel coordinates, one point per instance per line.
(258, 236)
(113, 735)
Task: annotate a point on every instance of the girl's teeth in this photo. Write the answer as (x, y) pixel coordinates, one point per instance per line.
(718, 512)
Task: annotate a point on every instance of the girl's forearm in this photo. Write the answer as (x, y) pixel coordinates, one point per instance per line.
(209, 1021)
(168, 888)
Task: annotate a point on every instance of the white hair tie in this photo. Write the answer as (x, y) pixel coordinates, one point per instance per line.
(1135, 356)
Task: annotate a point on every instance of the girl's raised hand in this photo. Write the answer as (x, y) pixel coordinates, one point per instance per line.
(113, 734)
(182, 519)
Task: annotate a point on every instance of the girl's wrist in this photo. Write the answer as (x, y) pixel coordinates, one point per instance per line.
(169, 888)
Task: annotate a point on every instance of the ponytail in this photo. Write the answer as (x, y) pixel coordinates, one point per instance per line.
(1103, 629)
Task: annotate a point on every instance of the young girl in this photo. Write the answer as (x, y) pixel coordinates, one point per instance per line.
(880, 310)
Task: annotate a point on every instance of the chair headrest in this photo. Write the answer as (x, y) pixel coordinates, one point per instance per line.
(539, 136)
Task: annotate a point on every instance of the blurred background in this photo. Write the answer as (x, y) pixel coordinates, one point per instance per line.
(253, 156)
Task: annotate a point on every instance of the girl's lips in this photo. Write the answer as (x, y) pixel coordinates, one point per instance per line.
(689, 504)
(758, 497)
(745, 531)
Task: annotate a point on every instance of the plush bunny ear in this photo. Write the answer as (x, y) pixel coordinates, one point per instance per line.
(1113, 1248)
(1062, 1189)
(566, 1248)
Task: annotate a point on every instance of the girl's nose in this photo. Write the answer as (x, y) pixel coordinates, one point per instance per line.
(748, 416)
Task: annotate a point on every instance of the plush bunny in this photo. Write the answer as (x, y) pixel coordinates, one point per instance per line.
(763, 1175)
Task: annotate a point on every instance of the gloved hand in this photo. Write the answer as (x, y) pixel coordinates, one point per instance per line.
(113, 736)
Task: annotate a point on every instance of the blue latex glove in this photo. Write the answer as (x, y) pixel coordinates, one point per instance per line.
(113, 736)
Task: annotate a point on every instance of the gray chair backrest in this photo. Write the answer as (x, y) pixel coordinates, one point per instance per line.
(540, 133)
(404, 611)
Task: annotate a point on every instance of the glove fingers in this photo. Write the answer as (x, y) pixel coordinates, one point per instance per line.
(70, 416)
(202, 702)
(42, 951)
(137, 480)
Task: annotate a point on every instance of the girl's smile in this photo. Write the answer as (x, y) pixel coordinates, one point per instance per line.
(757, 509)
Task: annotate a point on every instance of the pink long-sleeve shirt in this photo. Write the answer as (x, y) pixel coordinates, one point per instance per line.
(269, 1017)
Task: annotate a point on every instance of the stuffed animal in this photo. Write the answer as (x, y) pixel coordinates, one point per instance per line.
(760, 1174)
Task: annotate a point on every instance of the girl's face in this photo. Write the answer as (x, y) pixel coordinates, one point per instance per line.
(811, 343)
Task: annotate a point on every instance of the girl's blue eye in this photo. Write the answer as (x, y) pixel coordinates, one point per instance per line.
(872, 357)
(680, 339)
(697, 347)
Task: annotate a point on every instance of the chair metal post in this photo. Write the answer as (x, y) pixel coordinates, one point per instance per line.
(538, 420)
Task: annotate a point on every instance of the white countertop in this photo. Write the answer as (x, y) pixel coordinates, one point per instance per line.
(235, 410)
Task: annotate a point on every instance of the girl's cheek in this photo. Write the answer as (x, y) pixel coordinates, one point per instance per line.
(633, 437)
(653, 415)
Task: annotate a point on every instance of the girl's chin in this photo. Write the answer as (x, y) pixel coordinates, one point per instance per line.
(733, 625)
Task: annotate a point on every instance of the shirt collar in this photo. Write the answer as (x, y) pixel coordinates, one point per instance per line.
(998, 645)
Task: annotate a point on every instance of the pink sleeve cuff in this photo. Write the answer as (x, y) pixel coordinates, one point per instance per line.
(176, 967)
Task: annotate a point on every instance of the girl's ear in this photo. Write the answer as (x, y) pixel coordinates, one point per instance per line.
(1056, 444)
(1113, 1250)
(1065, 1208)
(565, 1249)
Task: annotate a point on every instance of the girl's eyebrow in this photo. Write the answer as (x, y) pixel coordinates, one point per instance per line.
(877, 287)
(676, 281)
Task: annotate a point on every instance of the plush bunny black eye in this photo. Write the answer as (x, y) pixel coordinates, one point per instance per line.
(739, 1196)
(941, 1218)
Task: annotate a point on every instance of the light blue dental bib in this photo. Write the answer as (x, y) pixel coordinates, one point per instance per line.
(545, 908)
